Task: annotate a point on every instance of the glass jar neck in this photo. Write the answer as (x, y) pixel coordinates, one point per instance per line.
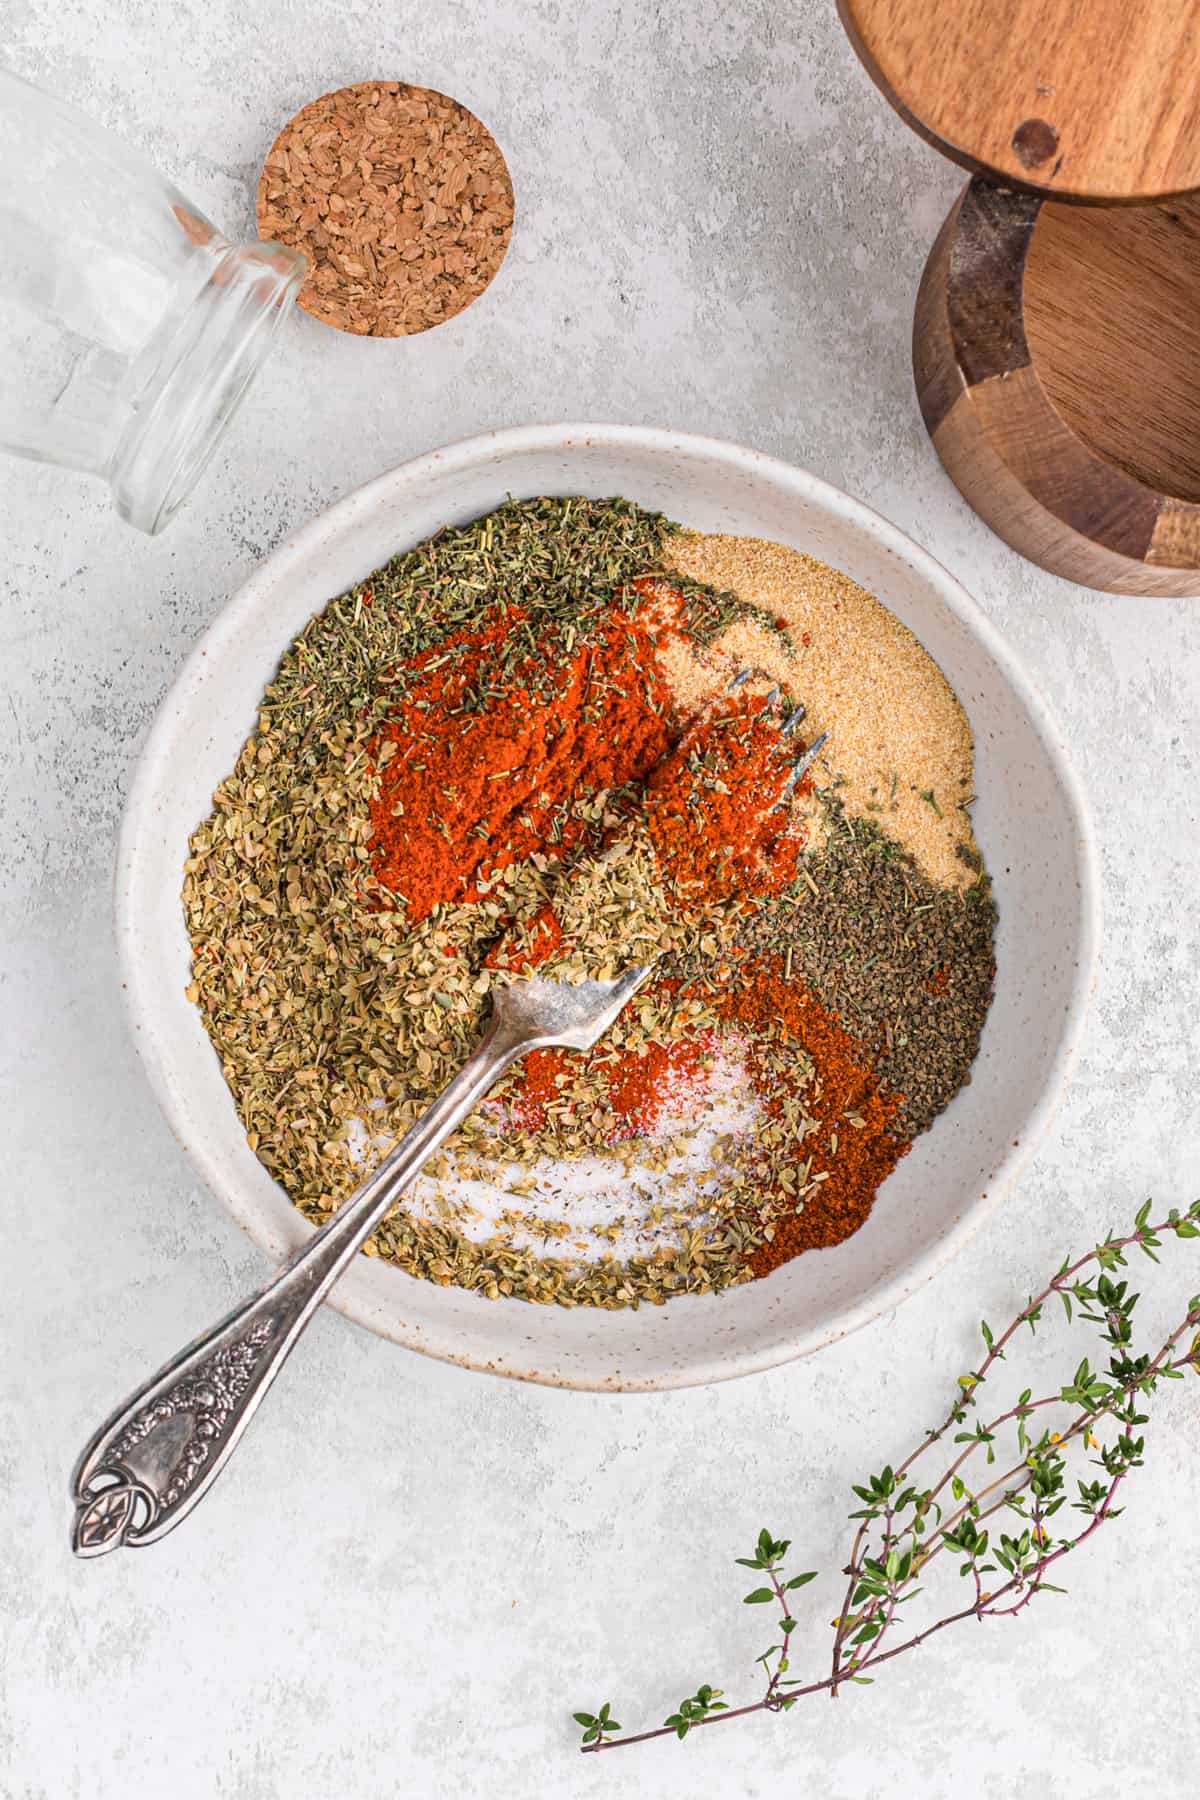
(188, 380)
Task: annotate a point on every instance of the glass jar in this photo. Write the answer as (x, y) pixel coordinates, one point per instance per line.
(129, 327)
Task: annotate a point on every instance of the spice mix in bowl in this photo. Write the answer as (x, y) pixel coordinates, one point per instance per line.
(435, 752)
(376, 792)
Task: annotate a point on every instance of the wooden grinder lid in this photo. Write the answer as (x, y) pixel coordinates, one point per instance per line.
(1093, 101)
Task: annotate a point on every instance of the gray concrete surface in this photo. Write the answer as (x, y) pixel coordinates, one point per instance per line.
(414, 1574)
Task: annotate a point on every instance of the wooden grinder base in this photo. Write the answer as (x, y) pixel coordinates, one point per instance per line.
(1058, 327)
(1057, 358)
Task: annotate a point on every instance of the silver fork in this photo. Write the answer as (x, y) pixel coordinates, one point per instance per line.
(801, 764)
(159, 1453)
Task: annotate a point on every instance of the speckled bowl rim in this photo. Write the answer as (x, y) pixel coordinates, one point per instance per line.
(515, 441)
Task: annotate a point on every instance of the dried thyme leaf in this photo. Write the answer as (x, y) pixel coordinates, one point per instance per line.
(906, 966)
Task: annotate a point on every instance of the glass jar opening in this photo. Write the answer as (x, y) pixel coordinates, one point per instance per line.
(197, 378)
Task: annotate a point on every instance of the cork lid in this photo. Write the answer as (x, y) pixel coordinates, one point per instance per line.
(1096, 102)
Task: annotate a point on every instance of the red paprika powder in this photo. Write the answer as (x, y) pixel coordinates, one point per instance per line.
(489, 761)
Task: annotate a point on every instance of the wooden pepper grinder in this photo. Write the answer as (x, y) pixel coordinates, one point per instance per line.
(1056, 342)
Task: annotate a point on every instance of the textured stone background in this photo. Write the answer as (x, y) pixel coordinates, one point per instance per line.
(414, 1573)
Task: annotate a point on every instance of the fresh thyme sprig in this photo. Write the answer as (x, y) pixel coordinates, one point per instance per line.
(904, 1527)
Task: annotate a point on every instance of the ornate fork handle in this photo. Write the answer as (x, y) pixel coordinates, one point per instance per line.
(151, 1462)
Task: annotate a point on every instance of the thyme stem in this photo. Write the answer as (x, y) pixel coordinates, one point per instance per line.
(1033, 1488)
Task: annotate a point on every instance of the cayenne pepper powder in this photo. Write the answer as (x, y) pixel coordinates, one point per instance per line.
(467, 789)
(843, 1176)
(537, 1083)
(711, 814)
(642, 1085)
(719, 790)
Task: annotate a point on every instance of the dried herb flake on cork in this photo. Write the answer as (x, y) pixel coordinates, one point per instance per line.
(400, 199)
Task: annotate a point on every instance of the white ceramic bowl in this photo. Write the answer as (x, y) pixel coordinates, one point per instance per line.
(1031, 821)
